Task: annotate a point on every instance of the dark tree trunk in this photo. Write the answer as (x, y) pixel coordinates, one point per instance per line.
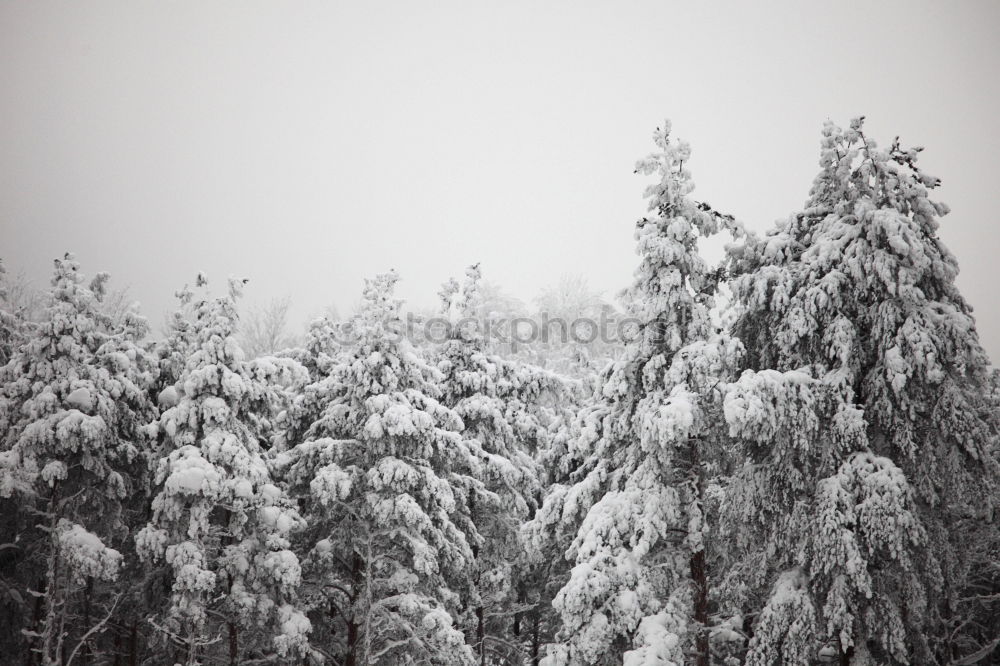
(699, 570)
(234, 644)
(480, 625)
(517, 619)
(352, 639)
(133, 645)
(87, 596)
(699, 580)
(535, 642)
(747, 631)
(481, 635)
(357, 566)
(234, 632)
(36, 619)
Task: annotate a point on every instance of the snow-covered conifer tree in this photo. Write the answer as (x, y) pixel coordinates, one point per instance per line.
(218, 520)
(320, 357)
(867, 424)
(639, 588)
(177, 344)
(548, 533)
(74, 395)
(384, 480)
(501, 403)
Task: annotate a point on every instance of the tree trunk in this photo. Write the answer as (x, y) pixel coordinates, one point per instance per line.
(51, 640)
(133, 648)
(517, 616)
(481, 635)
(369, 576)
(699, 569)
(88, 593)
(352, 639)
(234, 632)
(480, 625)
(192, 645)
(699, 580)
(747, 631)
(234, 644)
(36, 619)
(352, 625)
(535, 643)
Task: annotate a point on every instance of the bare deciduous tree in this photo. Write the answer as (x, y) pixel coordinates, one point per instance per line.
(263, 328)
(22, 297)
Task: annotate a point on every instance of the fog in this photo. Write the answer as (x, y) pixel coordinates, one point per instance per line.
(307, 145)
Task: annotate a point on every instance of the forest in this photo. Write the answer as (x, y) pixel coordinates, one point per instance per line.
(787, 458)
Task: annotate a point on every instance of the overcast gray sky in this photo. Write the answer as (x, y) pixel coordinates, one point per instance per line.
(309, 144)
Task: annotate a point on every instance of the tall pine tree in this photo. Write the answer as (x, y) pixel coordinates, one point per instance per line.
(73, 399)
(502, 405)
(383, 476)
(858, 293)
(639, 589)
(218, 520)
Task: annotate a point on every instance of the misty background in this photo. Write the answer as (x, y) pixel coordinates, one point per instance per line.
(307, 145)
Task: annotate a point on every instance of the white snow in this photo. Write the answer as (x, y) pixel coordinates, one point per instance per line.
(81, 398)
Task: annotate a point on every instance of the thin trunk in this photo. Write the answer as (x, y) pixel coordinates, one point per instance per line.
(481, 635)
(480, 625)
(36, 619)
(133, 647)
(88, 593)
(352, 639)
(232, 628)
(699, 569)
(234, 644)
(747, 631)
(50, 640)
(845, 656)
(535, 643)
(517, 616)
(700, 583)
(369, 576)
(192, 645)
(352, 626)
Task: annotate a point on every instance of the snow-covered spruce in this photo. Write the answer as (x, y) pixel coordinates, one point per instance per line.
(322, 354)
(219, 521)
(639, 588)
(74, 393)
(385, 480)
(177, 345)
(504, 406)
(884, 436)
